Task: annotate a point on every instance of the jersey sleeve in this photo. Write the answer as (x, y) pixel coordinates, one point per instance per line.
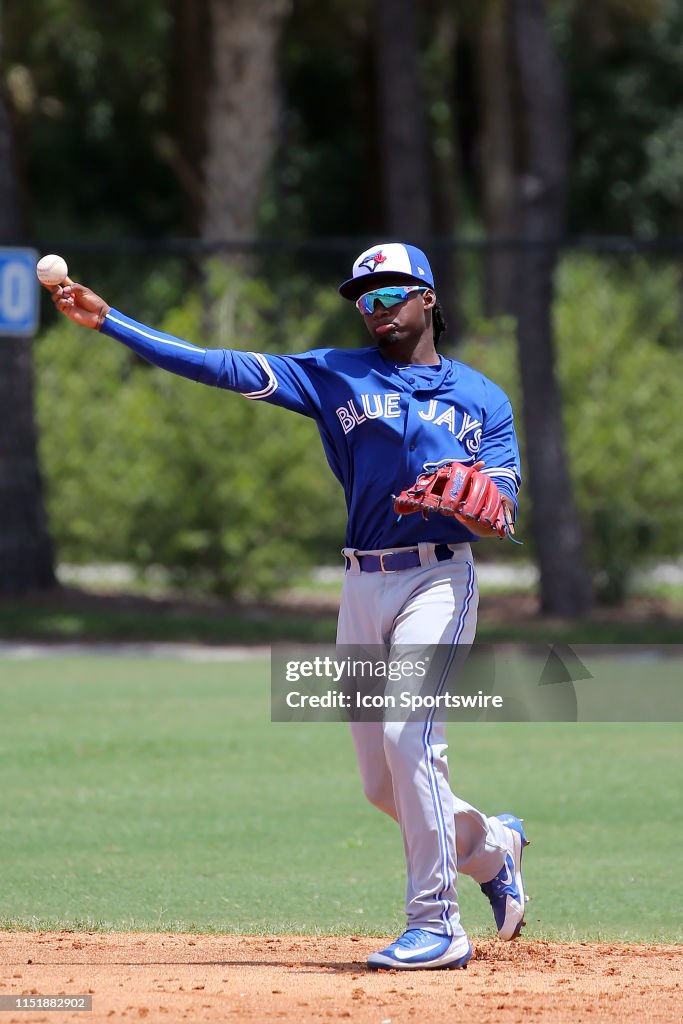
(500, 451)
(287, 381)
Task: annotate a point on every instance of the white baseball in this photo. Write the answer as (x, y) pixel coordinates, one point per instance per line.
(51, 269)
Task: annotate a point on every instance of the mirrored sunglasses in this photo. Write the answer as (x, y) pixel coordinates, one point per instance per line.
(388, 297)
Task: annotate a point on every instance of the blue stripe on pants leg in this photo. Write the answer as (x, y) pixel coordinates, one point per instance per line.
(429, 757)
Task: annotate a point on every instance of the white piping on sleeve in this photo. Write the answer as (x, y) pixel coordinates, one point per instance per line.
(508, 474)
(429, 467)
(154, 337)
(271, 386)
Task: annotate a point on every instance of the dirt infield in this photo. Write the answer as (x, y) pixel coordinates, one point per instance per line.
(212, 978)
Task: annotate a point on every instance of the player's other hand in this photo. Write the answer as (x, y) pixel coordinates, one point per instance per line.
(79, 303)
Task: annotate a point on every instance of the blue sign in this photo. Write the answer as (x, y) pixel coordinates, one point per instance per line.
(18, 293)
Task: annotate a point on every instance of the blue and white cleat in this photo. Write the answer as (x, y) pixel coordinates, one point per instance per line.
(420, 950)
(506, 891)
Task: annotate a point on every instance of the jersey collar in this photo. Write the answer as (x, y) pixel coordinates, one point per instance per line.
(446, 372)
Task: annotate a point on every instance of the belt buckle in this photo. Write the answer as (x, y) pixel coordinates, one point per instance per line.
(382, 556)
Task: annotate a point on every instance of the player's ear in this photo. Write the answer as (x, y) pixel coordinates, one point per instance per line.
(429, 298)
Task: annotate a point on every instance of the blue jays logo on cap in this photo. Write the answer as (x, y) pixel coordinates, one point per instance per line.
(385, 260)
(373, 261)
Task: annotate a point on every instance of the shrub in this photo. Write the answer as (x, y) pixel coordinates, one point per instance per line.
(145, 467)
(620, 367)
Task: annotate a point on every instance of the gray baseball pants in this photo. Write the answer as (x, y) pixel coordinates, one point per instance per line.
(403, 765)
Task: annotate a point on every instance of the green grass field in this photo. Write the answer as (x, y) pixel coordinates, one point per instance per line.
(150, 794)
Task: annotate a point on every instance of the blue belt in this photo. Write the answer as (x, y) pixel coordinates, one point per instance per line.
(395, 561)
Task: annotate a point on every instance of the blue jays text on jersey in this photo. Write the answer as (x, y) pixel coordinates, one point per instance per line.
(381, 423)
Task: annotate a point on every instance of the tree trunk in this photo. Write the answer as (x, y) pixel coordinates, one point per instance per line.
(26, 561)
(497, 154)
(401, 119)
(565, 581)
(440, 88)
(189, 87)
(241, 114)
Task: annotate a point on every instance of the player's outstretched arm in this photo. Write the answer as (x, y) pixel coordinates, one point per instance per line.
(78, 303)
(88, 309)
(277, 379)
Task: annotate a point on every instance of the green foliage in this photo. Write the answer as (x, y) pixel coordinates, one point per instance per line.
(621, 379)
(230, 495)
(91, 84)
(148, 468)
(625, 66)
(94, 89)
(620, 365)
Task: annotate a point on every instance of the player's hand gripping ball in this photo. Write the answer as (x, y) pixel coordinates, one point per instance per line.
(51, 270)
(459, 491)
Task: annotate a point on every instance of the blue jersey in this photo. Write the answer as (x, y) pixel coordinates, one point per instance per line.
(381, 423)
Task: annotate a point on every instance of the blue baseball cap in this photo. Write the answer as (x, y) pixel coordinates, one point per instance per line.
(383, 261)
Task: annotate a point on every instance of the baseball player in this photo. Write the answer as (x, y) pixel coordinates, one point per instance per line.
(387, 414)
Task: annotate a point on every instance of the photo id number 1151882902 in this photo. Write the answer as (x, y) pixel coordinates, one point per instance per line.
(62, 1002)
